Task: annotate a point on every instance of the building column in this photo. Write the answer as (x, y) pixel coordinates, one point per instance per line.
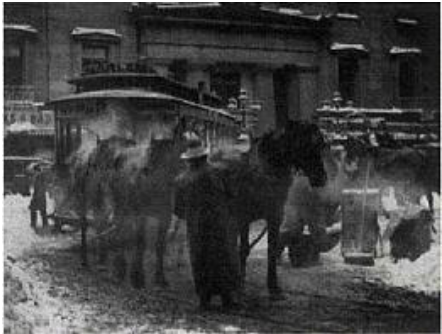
(247, 80)
(308, 92)
(293, 93)
(265, 94)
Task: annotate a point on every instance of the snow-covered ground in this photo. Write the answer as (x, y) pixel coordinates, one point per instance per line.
(47, 291)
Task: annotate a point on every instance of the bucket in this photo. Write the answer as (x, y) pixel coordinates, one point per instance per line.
(359, 225)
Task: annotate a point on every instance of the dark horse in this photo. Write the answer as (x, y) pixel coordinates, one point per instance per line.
(258, 190)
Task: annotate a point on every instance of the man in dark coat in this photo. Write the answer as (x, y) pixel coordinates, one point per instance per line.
(38, 200)
(201, 201)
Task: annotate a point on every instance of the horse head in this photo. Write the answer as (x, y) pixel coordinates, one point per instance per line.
(297, 146)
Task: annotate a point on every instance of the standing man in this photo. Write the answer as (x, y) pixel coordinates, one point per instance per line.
(201, 201)
(38, 200)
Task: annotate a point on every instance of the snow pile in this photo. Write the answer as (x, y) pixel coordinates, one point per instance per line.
(422, 275)
(17, 224)
(16, 292)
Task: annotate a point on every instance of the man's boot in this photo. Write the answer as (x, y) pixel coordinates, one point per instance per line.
(33, 219)
(228, 302)
(44, 218)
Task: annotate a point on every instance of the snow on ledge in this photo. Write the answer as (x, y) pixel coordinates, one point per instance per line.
(348, 47)
(20, 27)
(407, 21)
(347, 16)
(396, 50)
(79, 31)
(186, 5)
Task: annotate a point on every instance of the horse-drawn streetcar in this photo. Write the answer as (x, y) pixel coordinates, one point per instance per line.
(119, 139)
(111, 114)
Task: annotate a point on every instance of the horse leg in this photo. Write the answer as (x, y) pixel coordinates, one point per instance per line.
(119, 261)
(272, 253)
(103, 251)
(137, 270)
(160, 248)
(83, 226)
(429, 196)
(244, 252)
(120, 264)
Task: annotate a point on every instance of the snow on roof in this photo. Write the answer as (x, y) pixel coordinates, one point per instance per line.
(20, 27)
(134, 94)
(80, 31)
(396, 50)
(348, 47)
(407, 21)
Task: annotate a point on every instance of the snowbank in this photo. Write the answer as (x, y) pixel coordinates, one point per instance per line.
(422, 275)
(17, 225)
(16, 292)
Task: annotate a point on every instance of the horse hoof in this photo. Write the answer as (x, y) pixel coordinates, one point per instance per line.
(137, 280)
(161, 282)
(277, 295)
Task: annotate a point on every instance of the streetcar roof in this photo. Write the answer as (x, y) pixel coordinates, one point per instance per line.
(108, 94)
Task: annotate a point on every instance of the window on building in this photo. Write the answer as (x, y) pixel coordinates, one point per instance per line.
(409, 77)
(94, 57)
(14, 64)
(226, 84)
(348, 68)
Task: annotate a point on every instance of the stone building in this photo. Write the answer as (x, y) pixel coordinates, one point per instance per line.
(289, 57)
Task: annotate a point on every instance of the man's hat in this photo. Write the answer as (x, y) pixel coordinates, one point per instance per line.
(195, 149)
